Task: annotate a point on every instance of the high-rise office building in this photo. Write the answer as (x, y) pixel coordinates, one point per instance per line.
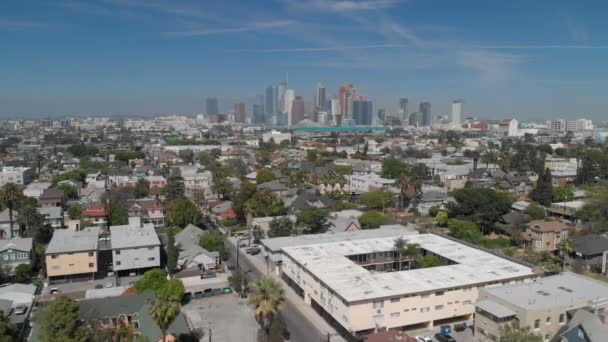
(457, 107)
(290, 95)
(425, 109)
(281, 96)
(334, 108)
(259, 116)
(362, 112)
(271, 101)
(320, 97)
(297, 110)
(416, 119)
(240, 114)
(211, 106)
(347, 95)
(403, 109)
(382, 115)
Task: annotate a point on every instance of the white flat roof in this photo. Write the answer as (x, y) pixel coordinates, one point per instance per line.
(328, 262)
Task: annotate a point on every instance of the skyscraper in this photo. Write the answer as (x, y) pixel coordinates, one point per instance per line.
(258, 114)
(347, 95)
(425, 109)
(297, 110)
(271, 102)
(416, 119)
(211, 106)
(320, 97)
(381, 115)
(240, 114)
(362, 112)
(290, 95)
(403, 109)
(457, 112)
(281, 96)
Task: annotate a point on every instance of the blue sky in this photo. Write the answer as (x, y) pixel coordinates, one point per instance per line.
(531, 59)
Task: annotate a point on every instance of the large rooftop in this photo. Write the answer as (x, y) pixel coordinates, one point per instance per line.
(67, 241)
(329, 263)
(567, 289)
(132, 236)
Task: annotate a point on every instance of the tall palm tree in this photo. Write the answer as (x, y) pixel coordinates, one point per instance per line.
(28, 218)
(268, 296)
(565, 247)
(399, 246)
(9, 195)
(164, 310)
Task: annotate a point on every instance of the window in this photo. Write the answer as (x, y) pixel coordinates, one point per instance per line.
(395, 300)
(56, 267)
(91, 254)
(22, 256)
(425, 296)
(466, 302)
(395, 315)
(53, 256)
(425, 309)
(118, 263)
(548, 320)
(440, 293)
(537, 324)
(378, 305)
(561, 318)
(546, 337)
(117, 252)
(5, 256)
(13, 257)
(438, 307)
(151, 258)
(91, 265)
(150, 248)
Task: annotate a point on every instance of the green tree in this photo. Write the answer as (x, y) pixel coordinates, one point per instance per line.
(428, 261)
(268, 297)
(174, 188)
(164, 310)
(10, 194)
(562, 193)
(262, 203)
(264, 176)
(565, 247)
(465, 230)
(535, 211)
(482, 206)
(69, 191)
(394, 168)
(23, 274)
(142, 188)
(313, 221)
(59, 322)
(8, 330)
(172, 254)
(213, 242)
(29, 219)
(152, 280)
(373, 220)
(543, 192)
(74, 211)
(378, 199)
(182, 212)
(343, 170)
(246, 191)
(442, 219)
(221, 185)
(510, 333)
(282, 226)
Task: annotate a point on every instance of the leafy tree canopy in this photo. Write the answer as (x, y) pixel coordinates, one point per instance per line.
(264, 176)
(282, 226)
(378, 199)
(482, 206)
(373, 220)
(313, 221)
(394, 168)
(59, 322)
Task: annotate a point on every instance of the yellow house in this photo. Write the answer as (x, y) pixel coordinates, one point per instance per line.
(72, 252)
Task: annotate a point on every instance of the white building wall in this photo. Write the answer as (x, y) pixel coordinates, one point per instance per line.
(134, 258)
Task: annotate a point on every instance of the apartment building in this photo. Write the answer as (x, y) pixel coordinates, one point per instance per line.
(17, 175)
(545, 305)
(135, 246)
(363, 183)
(72, 253)
(362, 286)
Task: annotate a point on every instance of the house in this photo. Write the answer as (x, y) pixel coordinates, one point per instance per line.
(53, 216)
(512, 221)
(150, 210)
(344, 224)
(197, 256)
(360, 183)
(135, 246)
(188, 237)
(544, 306)
(16, 251)
(96, 214)
(5, 224)
(263, 223)
(593, 250)
(128, 311)
(70, 164)
(52, 198)
(276, 187)
(35, 189)
(545, 236)
(91, 194)
(567, 209)
(586, 325)
(224, 211)
(16, 301)
(430, 199)
(308, 200)
(156, 182)
(72, 253)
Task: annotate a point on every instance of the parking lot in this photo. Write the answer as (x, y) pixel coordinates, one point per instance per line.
(226, 317)
(459, 336)
(83, 286)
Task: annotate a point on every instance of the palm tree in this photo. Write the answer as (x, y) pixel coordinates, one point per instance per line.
(565, 247)
(9, 195)
(410, 251)
(399, 246)
(28, 218)
(164, 310)
(268, 296)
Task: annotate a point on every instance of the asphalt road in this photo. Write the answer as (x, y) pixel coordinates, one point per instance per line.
(300, 328)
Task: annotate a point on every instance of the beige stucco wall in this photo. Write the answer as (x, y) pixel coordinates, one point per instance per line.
(70, 263)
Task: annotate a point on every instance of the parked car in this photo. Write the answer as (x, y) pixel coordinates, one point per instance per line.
(445, 329)
(461, 326)
(54, 290)
(444, 337)
(255, 250)
(423, 339)
(99, 286)
(20, 310)
(242, 244)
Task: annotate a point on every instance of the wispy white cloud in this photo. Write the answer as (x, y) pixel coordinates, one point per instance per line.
(325, 48)
(491, 66)
(20, 25)
(257, 26)
(538, 47)
(340, 5)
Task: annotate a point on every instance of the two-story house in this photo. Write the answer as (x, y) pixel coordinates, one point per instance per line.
(72, 253)
(150, 210)
(96, 214)
(5, 225)
(16, 251)
(52, 198)
(545, 236)
(53, 216)
(135, 247)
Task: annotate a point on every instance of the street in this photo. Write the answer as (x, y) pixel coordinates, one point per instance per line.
(300, 328)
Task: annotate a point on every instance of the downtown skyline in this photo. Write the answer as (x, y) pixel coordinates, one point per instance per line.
(130, 57)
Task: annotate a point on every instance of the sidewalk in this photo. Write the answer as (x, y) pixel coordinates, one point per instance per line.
(259, 263)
